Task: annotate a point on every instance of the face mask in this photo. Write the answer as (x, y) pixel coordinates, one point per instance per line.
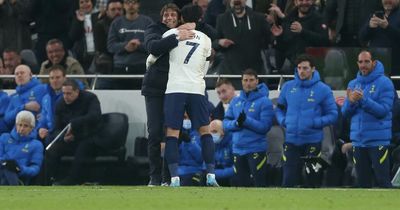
(187, 124)
(216, 137)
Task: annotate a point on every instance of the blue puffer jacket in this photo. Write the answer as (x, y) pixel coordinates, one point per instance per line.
(259, 113)
(4, 101)
(26, 151)
(304, 108)
(32, 91)
(190, 158)
(371, 117)
(48, 108)
(224, 158)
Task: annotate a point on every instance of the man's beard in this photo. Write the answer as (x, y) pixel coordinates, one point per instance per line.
(238, 8)
(305, 10)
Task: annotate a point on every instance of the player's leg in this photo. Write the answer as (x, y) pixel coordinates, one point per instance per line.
(174, 108)
(199, 114)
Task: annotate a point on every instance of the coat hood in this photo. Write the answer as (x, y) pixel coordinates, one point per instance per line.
(378, 71)
(307, 83)
(23, 88)
(19, 138)
(260, 91)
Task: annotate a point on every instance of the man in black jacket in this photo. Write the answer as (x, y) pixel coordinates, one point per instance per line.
(302, 28)
(242, 34)
(100, 33)
(344, 19)
(81, 110)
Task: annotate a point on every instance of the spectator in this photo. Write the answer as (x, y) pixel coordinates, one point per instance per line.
(275, 12)
(125, 40)
(21, 155)
(226, 92)
(181, 3)
(242, 34)
(11, 59)
(203, 4)
(81, 34)
(49, 101)
(155, 81)
(15, 17)
(101, 7)
(224, 169)
(344, 19)
(300, 29)
(203, 26)
(81, 109)
(383, 31)
(305, 106)
(103, 58)
(52, 20)
(185, 92)
(369, 104)
(215, 8)
(249, 118)
(29, 94)
(2, 69)
(56, 55)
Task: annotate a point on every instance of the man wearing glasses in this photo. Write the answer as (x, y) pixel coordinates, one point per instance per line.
(305, 106)
(369, 106)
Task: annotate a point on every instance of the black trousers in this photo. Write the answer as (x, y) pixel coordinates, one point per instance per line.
(83, 151)
(155, 128)
(252, 165)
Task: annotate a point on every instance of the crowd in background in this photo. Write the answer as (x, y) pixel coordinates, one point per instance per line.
(111, 37)
(106, 37)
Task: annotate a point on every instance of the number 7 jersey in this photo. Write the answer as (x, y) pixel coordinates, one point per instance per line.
(188, 64)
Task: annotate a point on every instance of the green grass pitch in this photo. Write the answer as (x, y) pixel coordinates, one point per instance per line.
(131, 197)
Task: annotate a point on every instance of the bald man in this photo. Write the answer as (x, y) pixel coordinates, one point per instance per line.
(29, 94)
(224, 171)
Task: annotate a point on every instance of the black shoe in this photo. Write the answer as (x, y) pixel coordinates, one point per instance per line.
(65, 182)
(154, 182)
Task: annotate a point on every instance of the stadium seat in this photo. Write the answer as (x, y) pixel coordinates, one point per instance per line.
(112, 136)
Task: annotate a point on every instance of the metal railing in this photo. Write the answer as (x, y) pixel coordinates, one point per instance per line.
(95, 77)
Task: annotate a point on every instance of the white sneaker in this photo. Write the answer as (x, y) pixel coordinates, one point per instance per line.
(211, 181)
(175, 182)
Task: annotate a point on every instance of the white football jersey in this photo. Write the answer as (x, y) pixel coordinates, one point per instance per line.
(188, 64)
